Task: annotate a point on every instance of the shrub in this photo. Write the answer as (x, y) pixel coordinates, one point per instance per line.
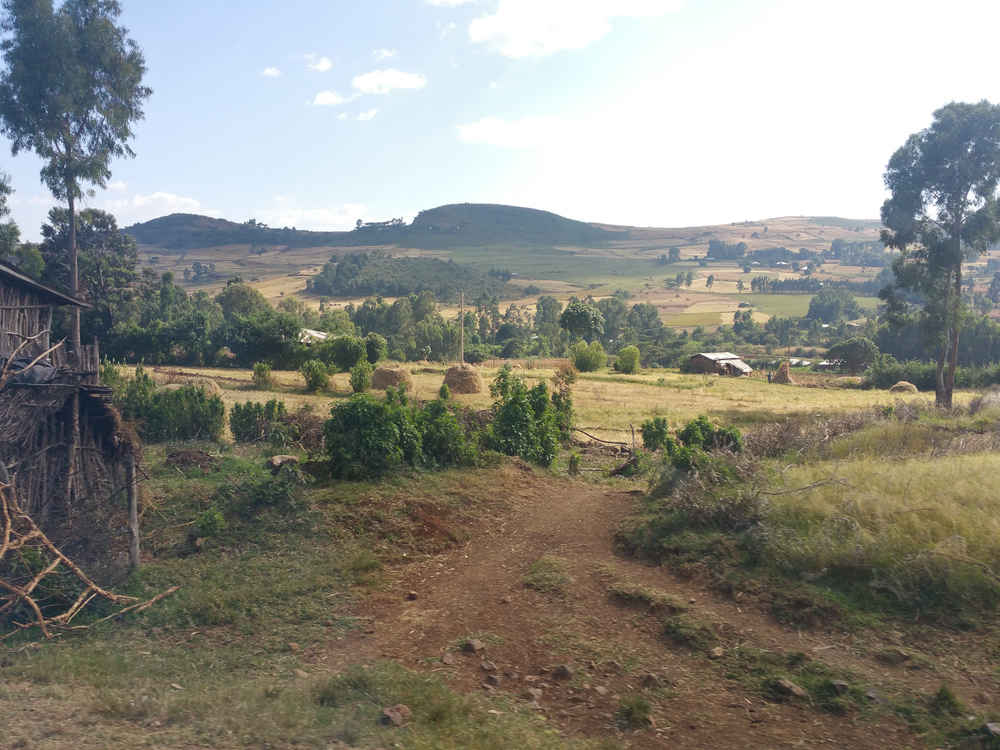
(161, 415)
(588, 357)
(655, 432)
(262, 377)
(362, 438)
(444, 392)
(525, 422)
(255, 421)
(316, 375)
(255, 495)
(628, 360)
(700, 433)
(376, 348)
(210, 522)
(562, 398)
(442, 439)
(344, 352)
(361, 376)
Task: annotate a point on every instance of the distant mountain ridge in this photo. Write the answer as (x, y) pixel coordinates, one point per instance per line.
(456, 225)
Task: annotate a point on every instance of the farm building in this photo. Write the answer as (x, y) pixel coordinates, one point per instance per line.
(720, 363)
(63, 447)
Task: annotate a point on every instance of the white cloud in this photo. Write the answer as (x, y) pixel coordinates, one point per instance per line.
(446, 28)
(270, 72)
(321, 64)
(529, 28)
(117, 185)
(339, 218)
(329, 99)
(528, 132)
(385, 81)
(383, 54)
(144, 207)
(362, 117)
(494, 86)
(449, 2)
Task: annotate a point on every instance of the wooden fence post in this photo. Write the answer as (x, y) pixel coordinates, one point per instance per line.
(133, 512)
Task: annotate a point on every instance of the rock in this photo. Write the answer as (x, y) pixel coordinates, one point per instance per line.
(493, 680)
(276, 462)
(991, 729)
(717, 653)
(840, 686)
(449, 659)
(412, 596)
(600, 690)
(293, 647)
(396, 715)
(893, 656)
(301, 674)
(876, 697)
(535, 706)
(473, 646)
(489, 666)
(789, 688)
(650, 681)
(533, 694)
(506, 600)
(563, 672)
(531, 678)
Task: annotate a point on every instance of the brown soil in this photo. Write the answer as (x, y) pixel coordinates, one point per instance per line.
(476, 591)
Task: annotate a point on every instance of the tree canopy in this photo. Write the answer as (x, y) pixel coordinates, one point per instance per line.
(70, 90)
(943, 210)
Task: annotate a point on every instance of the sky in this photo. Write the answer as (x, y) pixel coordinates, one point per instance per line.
(668, 113)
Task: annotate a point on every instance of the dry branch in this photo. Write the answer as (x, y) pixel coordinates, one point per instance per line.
(19, 532)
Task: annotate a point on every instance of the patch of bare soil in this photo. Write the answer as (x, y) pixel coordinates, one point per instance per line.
(615, 649)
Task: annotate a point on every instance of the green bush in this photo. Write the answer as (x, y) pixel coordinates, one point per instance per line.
(161, 415)
(588, 357)
(700, 433)
(361, 376)
(255, 421)
(442, 439)
(316, 375)
(262, 377)
(255, 495)
(363, 439)
(344, 352)
(655, 432)
(628, 360)
(376, 348)
(525, 422)
(210, 522)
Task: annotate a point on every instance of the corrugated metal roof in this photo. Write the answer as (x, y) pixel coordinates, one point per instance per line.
(717, 356)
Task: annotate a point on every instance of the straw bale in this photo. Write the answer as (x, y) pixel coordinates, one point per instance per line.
(903, 387)
(390, 374)
(783, 375)
(464, 378)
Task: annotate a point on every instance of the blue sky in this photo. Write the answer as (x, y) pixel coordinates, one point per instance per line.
(315, 114)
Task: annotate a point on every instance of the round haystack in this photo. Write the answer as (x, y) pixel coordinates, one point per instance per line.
(389, 374)
(464, 378)
(211, 387)
(783, 375)
(903, 387)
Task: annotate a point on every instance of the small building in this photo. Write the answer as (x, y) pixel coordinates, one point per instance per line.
(720, 363)
(308, 336)
(63, 447)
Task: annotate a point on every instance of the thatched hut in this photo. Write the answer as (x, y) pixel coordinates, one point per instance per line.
(63, 445)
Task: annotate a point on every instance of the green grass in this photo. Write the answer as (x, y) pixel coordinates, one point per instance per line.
(548, 575)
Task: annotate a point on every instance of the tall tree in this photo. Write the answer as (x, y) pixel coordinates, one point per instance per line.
(943, 210)
(70, 90)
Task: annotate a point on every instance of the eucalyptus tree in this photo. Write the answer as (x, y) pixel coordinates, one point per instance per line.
(70, 90)
(943, 210)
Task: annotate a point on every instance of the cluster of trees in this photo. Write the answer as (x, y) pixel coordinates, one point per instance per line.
(378, 273)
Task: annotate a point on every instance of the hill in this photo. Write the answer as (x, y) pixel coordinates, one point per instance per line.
(459, 225)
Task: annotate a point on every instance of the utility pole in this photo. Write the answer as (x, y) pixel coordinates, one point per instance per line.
(461, 328)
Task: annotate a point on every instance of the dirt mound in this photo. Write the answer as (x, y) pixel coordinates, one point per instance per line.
(783, 375)
(464, 378)
(903, 387)
(391, 375)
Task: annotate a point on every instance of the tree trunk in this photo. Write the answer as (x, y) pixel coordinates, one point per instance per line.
(953, 336)
(939, 389)
(74, 279)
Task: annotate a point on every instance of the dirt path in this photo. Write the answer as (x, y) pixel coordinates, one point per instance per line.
(476, 591)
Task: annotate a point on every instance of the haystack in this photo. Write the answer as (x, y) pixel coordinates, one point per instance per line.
(389, 374)
(464, 378)
(783, 375)
(903, 387)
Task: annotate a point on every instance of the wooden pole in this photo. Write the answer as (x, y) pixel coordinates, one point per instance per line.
(133, 512)
(461, 328)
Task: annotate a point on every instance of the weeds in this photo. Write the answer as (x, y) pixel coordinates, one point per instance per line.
(548, 575)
